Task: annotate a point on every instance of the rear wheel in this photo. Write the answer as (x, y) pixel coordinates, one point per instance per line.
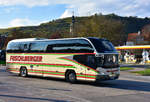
(23, 72)
(71, 77)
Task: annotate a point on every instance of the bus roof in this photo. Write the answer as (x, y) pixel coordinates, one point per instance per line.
(44, 39)
(27, 39)
(133, 47)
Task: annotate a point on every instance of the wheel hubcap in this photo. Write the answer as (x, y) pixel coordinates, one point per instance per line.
(23, 72)
(72, 76)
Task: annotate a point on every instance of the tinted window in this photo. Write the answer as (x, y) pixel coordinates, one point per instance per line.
(88, 60)
(69, 46)
(14, 47)
(37, 47)
(102, 45)
(54, 46)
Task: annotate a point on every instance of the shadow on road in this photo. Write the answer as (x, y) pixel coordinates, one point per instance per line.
(32, 98)
(117, 84)
(125, 84)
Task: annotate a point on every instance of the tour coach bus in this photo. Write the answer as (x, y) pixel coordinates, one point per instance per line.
(70, 58)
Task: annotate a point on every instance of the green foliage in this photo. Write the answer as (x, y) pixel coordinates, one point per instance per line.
(125, 68)
(145, 72)
(111, 27)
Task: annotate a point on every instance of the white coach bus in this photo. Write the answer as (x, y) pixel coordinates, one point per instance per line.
(70, 58)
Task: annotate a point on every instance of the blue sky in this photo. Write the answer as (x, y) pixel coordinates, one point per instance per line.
(14, 13)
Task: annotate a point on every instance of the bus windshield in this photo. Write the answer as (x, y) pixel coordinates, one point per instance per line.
(102, 46)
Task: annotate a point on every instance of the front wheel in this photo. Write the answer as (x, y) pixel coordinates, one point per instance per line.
(71, 77)
(23, 72)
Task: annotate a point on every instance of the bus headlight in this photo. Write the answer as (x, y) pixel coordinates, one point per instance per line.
(101, 71)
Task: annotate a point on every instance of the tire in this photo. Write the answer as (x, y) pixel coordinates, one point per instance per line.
(23, 72)
(71, 77)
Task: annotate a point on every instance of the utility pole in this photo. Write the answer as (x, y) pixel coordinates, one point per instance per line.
(72, 25)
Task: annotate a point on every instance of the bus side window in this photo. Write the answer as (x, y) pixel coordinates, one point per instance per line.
(49, 49)
(88, 60)
(37, 47)
(80, 58)
(26, 48)
(13, 47)
(91, 61)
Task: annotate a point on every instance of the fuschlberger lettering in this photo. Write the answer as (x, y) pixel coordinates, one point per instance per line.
(26, 58)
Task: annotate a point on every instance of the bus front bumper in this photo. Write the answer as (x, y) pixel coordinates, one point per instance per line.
(107, 77)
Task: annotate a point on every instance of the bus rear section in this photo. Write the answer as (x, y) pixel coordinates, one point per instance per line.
(73, 58)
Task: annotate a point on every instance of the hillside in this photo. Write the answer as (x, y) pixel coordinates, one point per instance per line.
(112, 27)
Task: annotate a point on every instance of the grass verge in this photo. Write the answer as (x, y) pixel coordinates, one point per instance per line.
(145, 72)
(125, 68)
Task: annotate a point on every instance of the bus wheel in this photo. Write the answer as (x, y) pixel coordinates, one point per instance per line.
(23, 72)
(71, 77)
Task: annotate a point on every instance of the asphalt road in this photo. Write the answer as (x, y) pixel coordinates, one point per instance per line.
(129, 88)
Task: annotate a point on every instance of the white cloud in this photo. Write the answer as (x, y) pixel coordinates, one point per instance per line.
(23, 22)
(29, 3)
(86, 7)
(19, 22)
(3, 26)
(135, 8)
(138, 8)
(120, 7)
(32, 3)
(67, 13)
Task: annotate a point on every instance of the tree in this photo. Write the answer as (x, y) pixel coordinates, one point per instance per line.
(18, 34)
(146, 32)
(55, 35)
